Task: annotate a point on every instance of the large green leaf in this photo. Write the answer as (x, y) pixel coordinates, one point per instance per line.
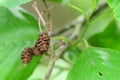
(96, 64)
(109, 38)
(12, 3)
(16, 32)
(115, 5)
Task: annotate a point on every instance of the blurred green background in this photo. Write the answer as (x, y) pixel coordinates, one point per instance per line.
(103, 31)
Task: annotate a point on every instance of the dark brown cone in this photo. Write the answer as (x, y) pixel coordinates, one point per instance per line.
(27, 55)
(42, 44)
(36, 51)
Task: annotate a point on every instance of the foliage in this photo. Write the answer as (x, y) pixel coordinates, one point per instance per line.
(16, 34)
(12, 3)
(103, 19)
(108, 38)
(96, 64)
(115, 5)
(88, 55)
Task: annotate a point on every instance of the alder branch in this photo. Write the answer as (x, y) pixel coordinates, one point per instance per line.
(62, 48)
(53, 59)
(49, 16)
(39, 14)
(57, 55)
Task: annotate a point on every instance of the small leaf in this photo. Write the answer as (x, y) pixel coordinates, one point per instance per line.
(17, 32)
(115, 5)
(96, 64)
(12, 3)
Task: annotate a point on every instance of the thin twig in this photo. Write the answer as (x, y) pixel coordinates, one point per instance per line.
(39, 25)
(49, 16)
(39, 14)
(49, 8)
(50, 68)
(53, 60)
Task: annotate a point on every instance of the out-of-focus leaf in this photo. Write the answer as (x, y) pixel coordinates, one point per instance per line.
(72, 53)
(85, 5)
(96, 64)
(60, 1)
(12, 3)
(109, 38)
(99, 23)
(16, 32)
(115, 5)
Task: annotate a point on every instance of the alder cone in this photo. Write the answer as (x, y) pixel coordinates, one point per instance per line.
(42, 44)
(27, 55)
(36, 50)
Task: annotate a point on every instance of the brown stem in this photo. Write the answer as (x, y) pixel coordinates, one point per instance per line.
(39, 14)
(53, 60)
(50, 68)
(49, 16)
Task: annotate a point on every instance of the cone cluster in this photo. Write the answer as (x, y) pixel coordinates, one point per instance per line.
(41, 46)
(27, 55)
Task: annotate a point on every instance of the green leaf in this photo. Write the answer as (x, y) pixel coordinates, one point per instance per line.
(99, 23)
(115, 5)
(18, 30)
(96, 64)
(85, 5)
(109, 38)
(12, 3)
